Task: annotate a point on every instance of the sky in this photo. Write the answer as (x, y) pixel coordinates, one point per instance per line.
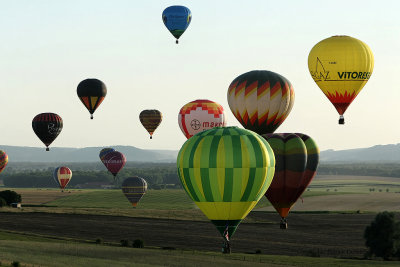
(47, 47)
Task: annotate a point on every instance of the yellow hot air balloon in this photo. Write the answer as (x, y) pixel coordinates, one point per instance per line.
(341, 66)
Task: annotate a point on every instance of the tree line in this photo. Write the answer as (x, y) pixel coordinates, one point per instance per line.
(157, 175)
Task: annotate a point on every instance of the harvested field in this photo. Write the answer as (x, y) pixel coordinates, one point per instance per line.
(373, 202)
(42, 196)
(325, 234)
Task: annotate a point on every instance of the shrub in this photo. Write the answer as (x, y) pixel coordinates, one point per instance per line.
(2, 202)
(125, 243)
(138, 243)
(99, 240)
(10, 196)
(383, 236)
(15, 264)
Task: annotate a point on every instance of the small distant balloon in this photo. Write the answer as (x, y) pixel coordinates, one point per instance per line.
(47, 126)
(200, 115)
(62, 175)
(105, 151)
(177, 19)
(114, 162)
(91, 92)
(150, 119)
(3, 160)
(134, 188)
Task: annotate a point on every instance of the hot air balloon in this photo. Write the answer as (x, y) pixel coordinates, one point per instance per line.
(296, 158)
(91, 92)
(225, 171)
(3, 160)
(177, 19)
(341, 66)
(62, 175)
(200, 115)
(47, 126)
(261, 100)
(114, 162)
(134, 188)
(105, 151)
(150, 119)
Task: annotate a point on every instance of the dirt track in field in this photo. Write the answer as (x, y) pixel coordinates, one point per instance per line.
(333, 235)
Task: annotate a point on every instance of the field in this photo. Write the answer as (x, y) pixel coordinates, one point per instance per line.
(325, 223)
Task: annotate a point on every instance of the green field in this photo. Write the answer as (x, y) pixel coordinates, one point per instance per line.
(68, 254)
(153, 199)
(354, 184)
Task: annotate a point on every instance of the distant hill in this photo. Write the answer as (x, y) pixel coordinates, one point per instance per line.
(377, 154)
(87, 154)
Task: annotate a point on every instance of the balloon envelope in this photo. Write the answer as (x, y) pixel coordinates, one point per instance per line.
(150, 119)
(62, 175)
(341, 66)
(114, 162)
(225, 171)
(91, 92)
(200, 115)
(134, 188)
(261, 100)
(296, 158)
(177, 19)
(3, 160)
(47, 126)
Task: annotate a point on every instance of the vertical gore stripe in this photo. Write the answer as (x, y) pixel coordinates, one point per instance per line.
(213, 153)
(186, 177)
(205, 181)
(246, 195)
(193, 151)
(237, 150)
(257, 150)
(228, 185)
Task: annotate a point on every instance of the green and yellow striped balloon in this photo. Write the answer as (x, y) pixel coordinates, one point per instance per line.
(225, 171)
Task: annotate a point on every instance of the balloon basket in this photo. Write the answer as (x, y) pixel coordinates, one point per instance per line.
(283, 224)
(226, 249)
(341, 120)
(47, 149)
(177, 42)
(91, 117)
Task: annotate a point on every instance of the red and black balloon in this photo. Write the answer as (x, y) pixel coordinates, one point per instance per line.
(47, 126)
(114, 162)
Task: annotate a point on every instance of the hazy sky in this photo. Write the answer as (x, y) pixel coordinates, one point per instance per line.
(47, 47)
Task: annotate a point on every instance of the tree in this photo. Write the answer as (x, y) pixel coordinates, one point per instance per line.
(383, 236)
(10, 196)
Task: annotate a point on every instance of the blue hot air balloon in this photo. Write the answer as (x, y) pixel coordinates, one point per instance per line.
(177, 19)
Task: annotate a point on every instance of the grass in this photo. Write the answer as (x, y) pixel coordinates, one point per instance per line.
(78, 254)
(168, 199)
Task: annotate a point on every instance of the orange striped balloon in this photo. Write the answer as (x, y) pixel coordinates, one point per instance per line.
(150, 119)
